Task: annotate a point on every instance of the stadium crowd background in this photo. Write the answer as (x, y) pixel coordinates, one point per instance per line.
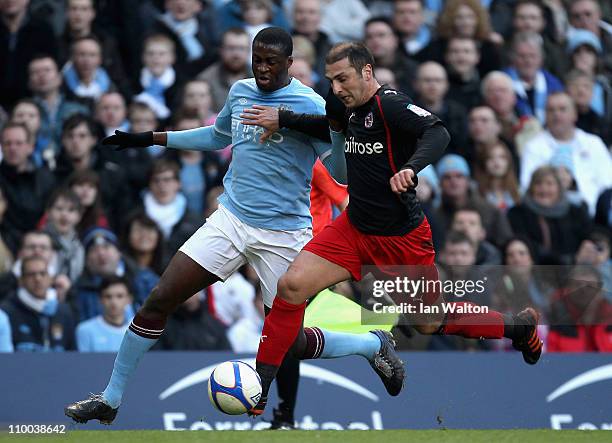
(85, 231)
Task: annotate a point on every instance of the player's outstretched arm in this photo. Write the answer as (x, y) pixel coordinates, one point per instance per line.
(123, 140)
(272, 119)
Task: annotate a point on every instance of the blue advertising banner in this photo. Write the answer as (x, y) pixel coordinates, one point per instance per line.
(443, 390)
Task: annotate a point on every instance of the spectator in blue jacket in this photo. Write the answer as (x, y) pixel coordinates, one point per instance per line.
(105, 332)
(103, 259)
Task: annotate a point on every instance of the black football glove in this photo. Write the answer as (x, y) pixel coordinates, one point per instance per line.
(123, 140)
(335, 109)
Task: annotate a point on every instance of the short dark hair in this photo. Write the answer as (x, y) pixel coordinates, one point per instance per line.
(35, 232)
(457, 237)
(379, 19)
(77, 120)
(277, 37)
(357, 53)
(66, 194)
(536, 3)
(162, 165)
(115, 280)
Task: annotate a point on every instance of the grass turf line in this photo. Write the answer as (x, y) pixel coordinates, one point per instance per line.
(391, 436)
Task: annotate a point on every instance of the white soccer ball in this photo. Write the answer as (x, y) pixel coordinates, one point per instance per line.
(234, 387)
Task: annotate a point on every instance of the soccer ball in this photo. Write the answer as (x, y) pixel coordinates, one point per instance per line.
(234, 387)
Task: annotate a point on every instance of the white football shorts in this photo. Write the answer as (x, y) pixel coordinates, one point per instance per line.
(224, 243)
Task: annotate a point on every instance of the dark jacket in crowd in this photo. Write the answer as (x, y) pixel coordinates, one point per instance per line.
(193, 331)
(556, 235)
(16, 51)
(495, 223)
(26, 194)
(114, 190)
(33, 331)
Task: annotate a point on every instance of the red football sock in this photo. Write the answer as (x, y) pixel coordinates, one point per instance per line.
(472, 325)
(280, 330)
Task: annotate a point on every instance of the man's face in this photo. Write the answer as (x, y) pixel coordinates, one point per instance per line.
(27, 114)
(500, 96)
(183, 9)
(408, 16)
(270, 67)
(585, 14)
(454, 184)
(15, 147)
(348, 85)
(235, 52)
(44, 76)
(157, 57)
(12, 8)
(459, 254)
(462, 55)
(87, 57)
(306, 16)
(80, 14)
(35, 278)
(142, 120)
(164, 186)
(78, 142)
(527, 60)
(431, 84)
(546, 191)
(301, 70)
(380, 39)
(470, 223)
(111, 110)
(103, 259)
(483, 126)
(114, 299)
(37, 245)
(528, 18)
(560, 114)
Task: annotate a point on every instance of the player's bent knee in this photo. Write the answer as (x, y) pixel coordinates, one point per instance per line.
(290, 290)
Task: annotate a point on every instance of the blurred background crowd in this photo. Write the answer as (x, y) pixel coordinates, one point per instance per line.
(524, 87)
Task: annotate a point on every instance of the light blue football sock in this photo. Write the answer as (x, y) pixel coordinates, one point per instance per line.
(341, 344)
(133, 347)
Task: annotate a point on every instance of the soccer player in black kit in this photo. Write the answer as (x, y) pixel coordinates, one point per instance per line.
(386, 140)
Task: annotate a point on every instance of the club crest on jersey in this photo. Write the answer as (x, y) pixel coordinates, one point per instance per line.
(369, 120)
(418, 111)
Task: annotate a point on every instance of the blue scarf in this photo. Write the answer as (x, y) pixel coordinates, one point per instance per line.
(101, 82)
(539, 98)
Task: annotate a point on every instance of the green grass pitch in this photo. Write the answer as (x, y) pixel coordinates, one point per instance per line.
(403, 436)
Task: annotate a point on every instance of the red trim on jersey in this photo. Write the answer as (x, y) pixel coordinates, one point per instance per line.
(388, 132)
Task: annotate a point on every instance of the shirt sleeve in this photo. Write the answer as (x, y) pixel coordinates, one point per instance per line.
(208, 138)
(414, 122)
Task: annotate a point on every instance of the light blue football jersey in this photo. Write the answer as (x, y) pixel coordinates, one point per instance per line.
(267, 184)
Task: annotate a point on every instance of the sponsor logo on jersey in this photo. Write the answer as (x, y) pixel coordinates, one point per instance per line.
(369, 120)
(283, 107)
(418, 111)
(242, 101)
(354, 147)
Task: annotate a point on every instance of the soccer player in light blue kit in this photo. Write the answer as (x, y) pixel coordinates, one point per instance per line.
(263, 217)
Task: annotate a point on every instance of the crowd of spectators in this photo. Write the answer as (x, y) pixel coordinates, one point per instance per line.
(523, 86)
